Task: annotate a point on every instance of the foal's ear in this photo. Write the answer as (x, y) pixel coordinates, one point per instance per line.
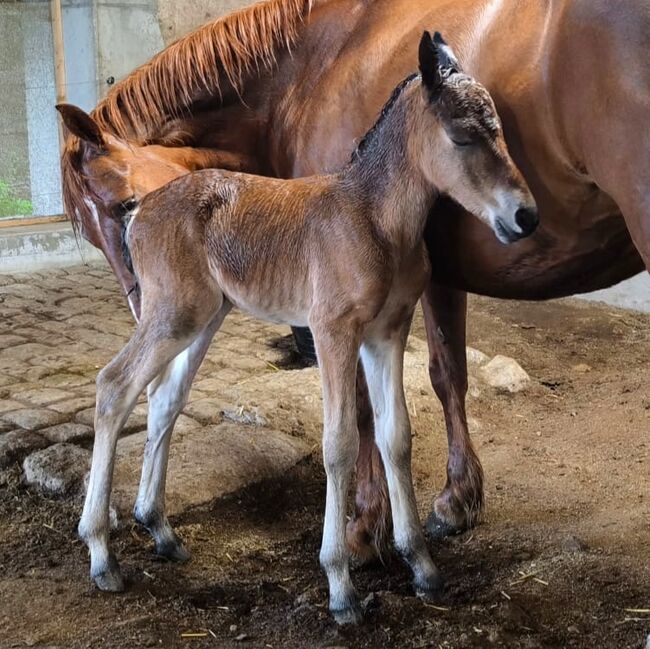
(82, 125)
(430, 66)
(448, 61)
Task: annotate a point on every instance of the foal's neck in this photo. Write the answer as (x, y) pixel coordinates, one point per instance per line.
(383, 177)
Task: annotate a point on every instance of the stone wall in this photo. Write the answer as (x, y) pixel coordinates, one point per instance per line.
(178, 18)
(130, 33)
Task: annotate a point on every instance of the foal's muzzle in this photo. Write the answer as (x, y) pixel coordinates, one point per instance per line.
(525, 223)
(527, 218)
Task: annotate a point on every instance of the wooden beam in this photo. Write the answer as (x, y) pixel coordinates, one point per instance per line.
(22, 221)
(59, 58)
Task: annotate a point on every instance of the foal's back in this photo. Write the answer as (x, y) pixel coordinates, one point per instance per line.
(268, 245)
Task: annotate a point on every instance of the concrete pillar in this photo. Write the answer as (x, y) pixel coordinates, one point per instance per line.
(80, 52)
(128, 35)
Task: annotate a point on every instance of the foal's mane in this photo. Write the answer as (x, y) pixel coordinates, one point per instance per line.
(367, 139)
(229, 49)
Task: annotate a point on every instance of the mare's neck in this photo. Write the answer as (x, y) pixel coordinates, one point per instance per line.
(383, 177)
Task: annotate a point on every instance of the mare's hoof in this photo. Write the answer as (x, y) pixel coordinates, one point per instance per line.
(110, 578)
(441, 529)
(350, 615)
(174, 551)
(432, 590)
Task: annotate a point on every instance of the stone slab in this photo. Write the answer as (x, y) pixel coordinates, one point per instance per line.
(207, 462)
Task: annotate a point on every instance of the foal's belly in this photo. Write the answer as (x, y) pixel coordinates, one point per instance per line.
(283, 300)
(271, 307)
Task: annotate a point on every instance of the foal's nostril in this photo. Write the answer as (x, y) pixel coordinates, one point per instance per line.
(527, 218)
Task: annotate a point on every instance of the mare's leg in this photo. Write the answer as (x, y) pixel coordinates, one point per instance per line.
(460, 503)
(383, 361)
(168, 394)
(119, 384)
(337, 349)
(368, 530)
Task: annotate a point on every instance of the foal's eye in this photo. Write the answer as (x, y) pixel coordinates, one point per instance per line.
(462, 141)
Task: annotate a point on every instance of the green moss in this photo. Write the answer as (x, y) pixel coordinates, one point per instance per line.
(10, 205)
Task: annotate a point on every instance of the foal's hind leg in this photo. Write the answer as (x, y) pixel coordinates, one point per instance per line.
(168, 394)
(383, 361)
(118, 386)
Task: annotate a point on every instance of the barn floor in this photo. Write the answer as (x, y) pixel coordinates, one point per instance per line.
(568, 493)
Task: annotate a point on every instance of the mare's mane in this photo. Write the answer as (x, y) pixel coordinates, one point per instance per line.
(227, 50)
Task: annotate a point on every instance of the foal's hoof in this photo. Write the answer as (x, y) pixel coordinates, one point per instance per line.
(110, 578)
(173, 550)
(430, 590)
(438, 528)
(349, 615)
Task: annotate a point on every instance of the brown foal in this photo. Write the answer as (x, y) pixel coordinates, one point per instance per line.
(353, 244)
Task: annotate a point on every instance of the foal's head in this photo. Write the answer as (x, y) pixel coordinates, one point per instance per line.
(459, 145)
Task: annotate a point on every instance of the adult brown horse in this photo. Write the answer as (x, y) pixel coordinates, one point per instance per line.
(285, 87)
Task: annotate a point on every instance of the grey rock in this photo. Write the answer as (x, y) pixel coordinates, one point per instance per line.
(16, 444)
(206, 463)
(34, 418)
(504, 373)
(206, 411)
(58, 470)
(67, 432)
(476, 357)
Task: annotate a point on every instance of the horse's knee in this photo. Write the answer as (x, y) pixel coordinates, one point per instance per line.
(108, 399)
(340, 456)
(444, 382)
(395, 445)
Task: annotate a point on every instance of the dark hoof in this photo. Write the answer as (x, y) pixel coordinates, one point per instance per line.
(174, 551)
(440, 529)
(430, 591)
(349, 615)
(110, 579)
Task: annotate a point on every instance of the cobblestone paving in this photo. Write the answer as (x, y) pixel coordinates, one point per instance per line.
(245, 420)
(61, 326)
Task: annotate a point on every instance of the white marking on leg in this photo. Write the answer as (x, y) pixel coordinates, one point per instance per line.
(340, 450)
(167, 396)
(383, 364)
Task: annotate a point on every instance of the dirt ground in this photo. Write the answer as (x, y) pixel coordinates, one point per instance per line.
(568, 506)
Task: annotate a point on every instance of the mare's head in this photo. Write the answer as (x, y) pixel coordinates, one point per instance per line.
(116, 174)
(105, 177)
(461, 148)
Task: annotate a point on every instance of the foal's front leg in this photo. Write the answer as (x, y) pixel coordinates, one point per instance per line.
(383, 362)
(337, 349)
(168, 394)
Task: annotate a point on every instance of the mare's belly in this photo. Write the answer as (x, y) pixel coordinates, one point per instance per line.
(557, 261)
